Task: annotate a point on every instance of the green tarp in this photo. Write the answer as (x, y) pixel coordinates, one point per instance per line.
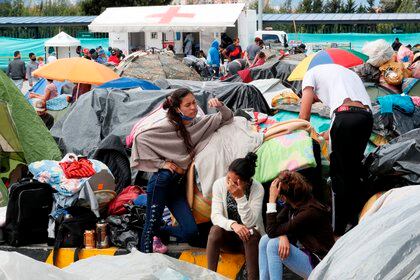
(23, 135)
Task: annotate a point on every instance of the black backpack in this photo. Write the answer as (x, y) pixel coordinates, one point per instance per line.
(69, 231)
(29, 206)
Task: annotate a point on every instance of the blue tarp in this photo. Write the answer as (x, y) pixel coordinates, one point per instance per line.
(56, 104)
(126, 83)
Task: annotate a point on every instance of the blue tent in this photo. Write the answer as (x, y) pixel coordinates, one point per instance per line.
(56, 104)
(126, 82)
(39, 87)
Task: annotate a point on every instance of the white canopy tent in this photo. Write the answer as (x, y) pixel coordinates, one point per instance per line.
(182, 18)
(64, 45)
(156, 26)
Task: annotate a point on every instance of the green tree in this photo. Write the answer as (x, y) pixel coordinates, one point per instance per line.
(317, 6)
(17, 8)
(305, 6)
(5, 8)
(390, 6)
(349, 7)
(95, 7)
(333, 6)
(286, 7)
(371, 5)
(409, 6)
(361, 9)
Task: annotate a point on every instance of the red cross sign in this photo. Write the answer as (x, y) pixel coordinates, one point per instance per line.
(170, 14)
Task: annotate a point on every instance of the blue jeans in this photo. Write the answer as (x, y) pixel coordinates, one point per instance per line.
(271, 266)
(164, 189)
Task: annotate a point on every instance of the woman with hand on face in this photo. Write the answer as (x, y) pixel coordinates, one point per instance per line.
(167, 148)
(302, 219)
(236, 213)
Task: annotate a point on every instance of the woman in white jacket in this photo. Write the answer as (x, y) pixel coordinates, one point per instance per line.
(237, 215)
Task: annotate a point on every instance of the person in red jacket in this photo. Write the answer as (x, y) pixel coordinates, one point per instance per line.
(113, 58)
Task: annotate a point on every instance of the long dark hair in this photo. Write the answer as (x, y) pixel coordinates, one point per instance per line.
(172, 103)
(244, 167)
(294, 186)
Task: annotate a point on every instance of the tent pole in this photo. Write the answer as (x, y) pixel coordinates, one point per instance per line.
(77, 93)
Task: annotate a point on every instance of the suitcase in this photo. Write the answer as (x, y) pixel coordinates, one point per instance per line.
(28, 209)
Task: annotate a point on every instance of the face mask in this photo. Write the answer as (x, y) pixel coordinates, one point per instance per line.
(33, 59)
(185, 118)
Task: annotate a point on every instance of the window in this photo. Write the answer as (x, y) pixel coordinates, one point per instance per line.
(154, 35)
(270, 38)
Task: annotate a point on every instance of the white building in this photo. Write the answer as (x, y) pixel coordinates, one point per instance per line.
(157, 26)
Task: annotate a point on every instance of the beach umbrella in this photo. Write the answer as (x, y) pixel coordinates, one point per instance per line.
(128, 82)
(77, 70)
(360, 55)
(328, 56)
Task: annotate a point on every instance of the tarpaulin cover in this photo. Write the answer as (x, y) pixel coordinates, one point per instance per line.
(104, 112)
(132, 266)
(396, 163)
(273, 68)
(234, 95)
(128, 82)
(393, 124)
(385, 245)
(107, 112)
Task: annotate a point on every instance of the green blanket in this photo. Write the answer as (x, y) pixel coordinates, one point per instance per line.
(287, 152)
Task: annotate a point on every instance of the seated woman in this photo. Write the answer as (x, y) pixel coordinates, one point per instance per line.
(49, 93)
(167, 149)
(304, 219)
(259, 59)
(236, 213)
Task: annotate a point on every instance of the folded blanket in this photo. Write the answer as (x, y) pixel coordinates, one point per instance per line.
(286, 152)
(286, 127)
(228, 143)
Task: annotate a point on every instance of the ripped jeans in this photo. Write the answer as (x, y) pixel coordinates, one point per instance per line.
(165, 189)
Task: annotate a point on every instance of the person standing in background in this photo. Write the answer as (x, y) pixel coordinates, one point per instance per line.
(396, 44)
(31, 67)
(253, 49)
(16, 70)
(233, 51)
(213, 57)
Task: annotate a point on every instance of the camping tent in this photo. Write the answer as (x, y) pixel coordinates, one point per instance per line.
(64, 45)
(23, 135)
(113, 112)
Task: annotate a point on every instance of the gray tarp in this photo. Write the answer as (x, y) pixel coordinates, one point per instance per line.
(104, 112)
(385, 245)
(234, 95)
(101, 113)
(396, 163)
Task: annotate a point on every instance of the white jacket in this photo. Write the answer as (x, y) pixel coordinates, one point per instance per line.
(249, 210)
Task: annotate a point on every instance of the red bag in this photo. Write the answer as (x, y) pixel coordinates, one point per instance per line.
(116, 206)
(78, 169)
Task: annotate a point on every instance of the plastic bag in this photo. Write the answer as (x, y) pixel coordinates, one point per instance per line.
(379, 52)
(393, 72)
(396, 163)
(124, 229)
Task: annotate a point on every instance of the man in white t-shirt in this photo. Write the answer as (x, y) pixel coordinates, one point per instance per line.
(344, 93)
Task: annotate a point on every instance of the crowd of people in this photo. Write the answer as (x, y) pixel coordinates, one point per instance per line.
(226, 56)
(299, 230)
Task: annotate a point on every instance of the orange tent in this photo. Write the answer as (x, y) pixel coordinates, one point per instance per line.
(76, 70)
